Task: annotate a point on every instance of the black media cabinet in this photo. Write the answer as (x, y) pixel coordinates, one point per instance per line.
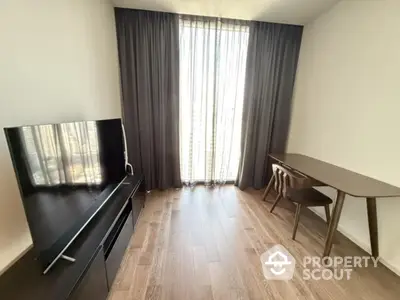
(98, 251)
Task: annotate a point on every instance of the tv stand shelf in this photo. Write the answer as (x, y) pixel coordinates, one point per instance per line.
(98, 252)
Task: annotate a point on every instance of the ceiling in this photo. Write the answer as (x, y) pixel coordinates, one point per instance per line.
(278, 11)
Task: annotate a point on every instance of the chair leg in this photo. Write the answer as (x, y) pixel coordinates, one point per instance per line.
(269, 187)
(327, 214)
(278, 198)
(296, 220)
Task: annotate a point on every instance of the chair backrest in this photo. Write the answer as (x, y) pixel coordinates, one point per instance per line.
(286, 179)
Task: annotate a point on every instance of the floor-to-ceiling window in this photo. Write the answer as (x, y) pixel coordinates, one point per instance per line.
(212, 73)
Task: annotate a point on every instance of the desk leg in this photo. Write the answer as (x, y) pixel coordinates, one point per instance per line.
(269, 187)
(337, 210)
(373, 226)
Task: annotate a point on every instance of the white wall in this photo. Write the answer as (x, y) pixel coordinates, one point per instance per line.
(347, 107)
(58, 62)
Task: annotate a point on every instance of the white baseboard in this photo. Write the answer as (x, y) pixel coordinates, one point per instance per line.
(362, 245)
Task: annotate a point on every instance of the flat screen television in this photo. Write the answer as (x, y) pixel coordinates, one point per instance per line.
(66, 172)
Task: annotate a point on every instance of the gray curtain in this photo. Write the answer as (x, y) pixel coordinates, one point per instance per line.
(270, 72)
(148, 44)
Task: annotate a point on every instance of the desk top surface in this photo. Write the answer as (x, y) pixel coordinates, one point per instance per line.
(339, 178)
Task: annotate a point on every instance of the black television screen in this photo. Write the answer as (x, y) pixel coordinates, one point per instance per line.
(65, 174)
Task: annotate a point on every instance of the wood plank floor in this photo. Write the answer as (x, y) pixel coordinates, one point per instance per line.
(205, 243)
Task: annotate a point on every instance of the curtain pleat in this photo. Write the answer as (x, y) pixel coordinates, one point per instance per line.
(148, 44)
(270, 72)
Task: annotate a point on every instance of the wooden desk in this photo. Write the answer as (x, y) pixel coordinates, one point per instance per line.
(345, 182)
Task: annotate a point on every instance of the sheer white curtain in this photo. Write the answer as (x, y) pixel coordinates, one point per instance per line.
(212, 74)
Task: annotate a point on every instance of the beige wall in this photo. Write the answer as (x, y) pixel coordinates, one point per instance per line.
(58, 62)
(347, 106)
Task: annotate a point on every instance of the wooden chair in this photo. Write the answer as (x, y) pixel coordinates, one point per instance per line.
(298, 189)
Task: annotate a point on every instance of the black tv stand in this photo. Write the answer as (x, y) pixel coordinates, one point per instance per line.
(97, 251)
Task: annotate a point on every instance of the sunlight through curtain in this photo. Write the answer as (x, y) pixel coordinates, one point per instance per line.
(212, 75)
